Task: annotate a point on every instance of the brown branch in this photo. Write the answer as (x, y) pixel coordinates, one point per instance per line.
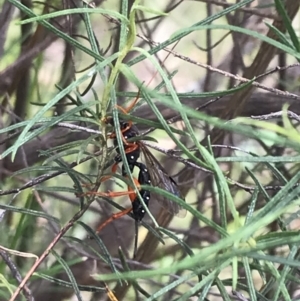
(15, 273)
(56, 239)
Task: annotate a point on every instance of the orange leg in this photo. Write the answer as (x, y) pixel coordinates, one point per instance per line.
(110, 194)
(112, 218)
(129, 148)
(103, 179)
(113, 170)
(113, 135)
(117, 215)
(132, 197)
(131, 106)
(126, 111)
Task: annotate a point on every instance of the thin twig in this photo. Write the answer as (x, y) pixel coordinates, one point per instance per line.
(248, 10)
(16, 274)
(45, 177)
(228, 74)
(188, 162)
(277, 115)
(49, 248)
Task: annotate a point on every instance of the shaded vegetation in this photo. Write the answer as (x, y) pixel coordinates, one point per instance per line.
(220, 95)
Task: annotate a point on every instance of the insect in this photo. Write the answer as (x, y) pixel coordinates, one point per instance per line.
(137, 207)
(132, 149)
(150, 173)
(157, 174)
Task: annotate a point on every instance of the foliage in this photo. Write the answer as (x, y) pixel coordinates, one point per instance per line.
(72, 65)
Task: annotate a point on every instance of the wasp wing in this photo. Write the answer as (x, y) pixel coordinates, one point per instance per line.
(160, 178)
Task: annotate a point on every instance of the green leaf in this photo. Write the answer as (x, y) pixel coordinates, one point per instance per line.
(29, 212)
(72, 11)
(146, 9)
(245, 31)
(69, 274)
(288, 24)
